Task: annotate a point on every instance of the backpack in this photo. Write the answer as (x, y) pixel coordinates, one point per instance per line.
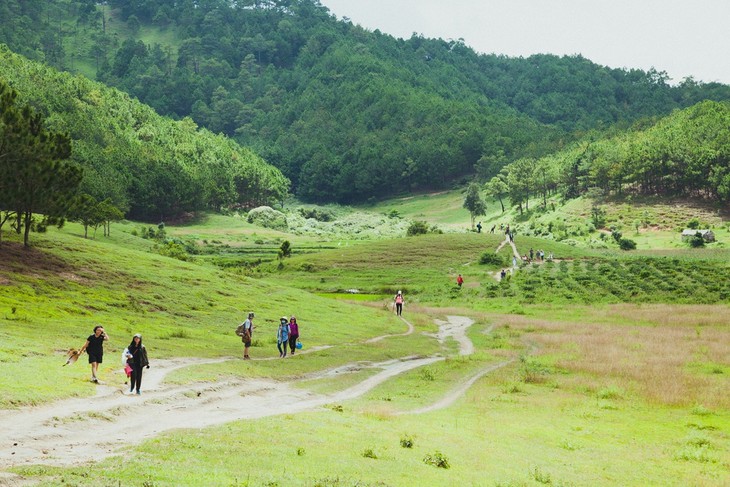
(239, 330)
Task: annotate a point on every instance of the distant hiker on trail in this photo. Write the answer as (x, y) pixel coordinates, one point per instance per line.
(399, 303)
(137, 360)
(512, 237)
(94, 346)
(514, 262)
(479, 227)
(502, 274)
(506, 232)
(459, 280)
(532, 255)
(493, 227)
(282, 336)
(245, 331)
(293, 334)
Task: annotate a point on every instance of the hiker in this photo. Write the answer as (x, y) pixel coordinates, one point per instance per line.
(245, 331)
(493, 227)
(293, 334)
(137, 360)
(502, 274)
(479, 227)
(514, 262)
(506, 232)
(512, 237)
(532, 255)
(94, 346)
(459, 280)
(399, 303)
(282, 336)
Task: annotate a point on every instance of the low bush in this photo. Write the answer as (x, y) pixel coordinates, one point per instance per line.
(490, 258)
(406, 441)
(626, 244)
(437, 459)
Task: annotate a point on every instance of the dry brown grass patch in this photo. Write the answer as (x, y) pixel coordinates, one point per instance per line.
(653, 361)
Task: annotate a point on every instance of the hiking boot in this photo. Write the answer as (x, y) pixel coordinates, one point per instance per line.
(95, 380)
(138, 393)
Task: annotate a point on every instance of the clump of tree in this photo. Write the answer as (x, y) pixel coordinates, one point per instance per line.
(37, 182)
(474, 203)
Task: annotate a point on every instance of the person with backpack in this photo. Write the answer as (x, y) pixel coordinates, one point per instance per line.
(137, 360)
(245, 331)
(282, 336)
(293, 334)
(459, 280)
(399, 303)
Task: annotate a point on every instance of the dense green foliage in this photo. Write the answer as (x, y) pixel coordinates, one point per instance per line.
(684, 154)
(346, 113)
(35, 176)
(152, 167)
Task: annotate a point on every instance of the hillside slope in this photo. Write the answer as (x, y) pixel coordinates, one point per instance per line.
(347, 114)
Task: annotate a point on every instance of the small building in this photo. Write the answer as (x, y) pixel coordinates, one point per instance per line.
(688, 233)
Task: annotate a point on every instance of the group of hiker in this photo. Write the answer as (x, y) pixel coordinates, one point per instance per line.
(135, 360)
(287, 335)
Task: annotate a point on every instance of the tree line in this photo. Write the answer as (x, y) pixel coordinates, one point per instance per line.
(347, 114)
(685, 154)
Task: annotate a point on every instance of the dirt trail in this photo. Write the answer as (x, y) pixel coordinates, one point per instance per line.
(383, 337)
(77, 431)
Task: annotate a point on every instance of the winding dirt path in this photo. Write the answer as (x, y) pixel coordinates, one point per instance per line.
(77, 431)
(383, 337)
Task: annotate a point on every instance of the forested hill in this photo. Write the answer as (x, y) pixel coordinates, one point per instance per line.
(151, 167)
(346, 113)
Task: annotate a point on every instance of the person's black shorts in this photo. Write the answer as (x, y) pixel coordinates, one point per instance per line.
(95, 358)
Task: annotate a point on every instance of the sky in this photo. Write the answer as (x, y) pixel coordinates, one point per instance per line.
(682, 37)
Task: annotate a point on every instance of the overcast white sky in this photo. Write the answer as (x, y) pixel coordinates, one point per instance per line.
(681, 37)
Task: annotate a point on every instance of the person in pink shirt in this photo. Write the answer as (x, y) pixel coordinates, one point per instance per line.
(293, 334)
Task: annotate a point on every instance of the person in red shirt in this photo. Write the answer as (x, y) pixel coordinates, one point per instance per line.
(459, 280)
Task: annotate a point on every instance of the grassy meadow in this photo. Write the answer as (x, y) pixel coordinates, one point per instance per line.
(609, 367)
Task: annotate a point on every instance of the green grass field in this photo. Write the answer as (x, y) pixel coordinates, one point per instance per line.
(613, 365)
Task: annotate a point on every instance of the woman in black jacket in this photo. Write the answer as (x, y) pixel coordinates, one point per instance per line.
(137, 359)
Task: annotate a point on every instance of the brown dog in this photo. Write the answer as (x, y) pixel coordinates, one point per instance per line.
(72, 356)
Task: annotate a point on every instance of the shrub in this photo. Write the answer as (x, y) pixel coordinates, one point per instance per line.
(626, 244)
(437, 459)
(406, 441)
(694, 224)
(490, 258)
(369, 453)
(268, 217)
(172, 249)
(697, 241)
(417, 228)
(319, 214)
